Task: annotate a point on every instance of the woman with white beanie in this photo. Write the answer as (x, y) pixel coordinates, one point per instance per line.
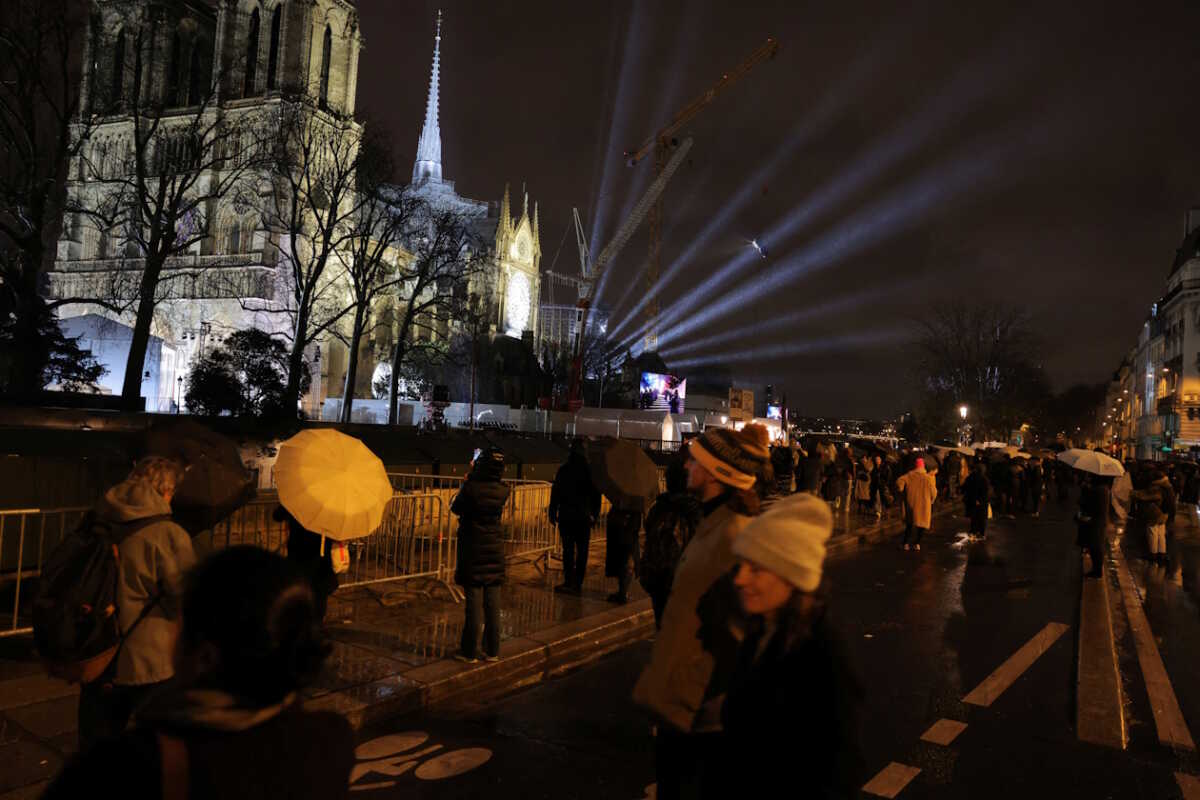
(791, 713)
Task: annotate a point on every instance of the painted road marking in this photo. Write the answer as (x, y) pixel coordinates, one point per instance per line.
(1099, 709)
(1168, 718)
(891, 780)
(944, 731)
(1189, 785)
(1007, 673)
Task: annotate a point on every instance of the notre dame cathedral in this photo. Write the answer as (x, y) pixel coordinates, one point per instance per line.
(246, 55)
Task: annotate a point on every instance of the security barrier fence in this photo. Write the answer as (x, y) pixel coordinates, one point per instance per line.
(417, 539)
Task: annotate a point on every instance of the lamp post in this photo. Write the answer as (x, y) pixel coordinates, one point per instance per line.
(962, 413)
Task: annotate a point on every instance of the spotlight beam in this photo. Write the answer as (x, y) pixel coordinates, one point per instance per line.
(792, 349)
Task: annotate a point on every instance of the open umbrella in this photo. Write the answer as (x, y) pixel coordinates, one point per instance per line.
(623, 473)
(1091, 461)
(217, 482)
(332, 484)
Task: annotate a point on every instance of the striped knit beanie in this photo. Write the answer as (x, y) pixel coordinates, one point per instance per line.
(733, 457)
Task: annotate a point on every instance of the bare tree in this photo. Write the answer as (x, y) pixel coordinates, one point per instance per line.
(41, 131)
(314, 206)
(373, 253)
(434, 290)
(155, 187)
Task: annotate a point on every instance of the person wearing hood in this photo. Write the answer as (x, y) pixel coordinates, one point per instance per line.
(918, 489)
(152, 562)
(1154, 501)
(232, 727)
(677, 687)
(574, 507)
(791, 715)
(480, 570)
(670, 525)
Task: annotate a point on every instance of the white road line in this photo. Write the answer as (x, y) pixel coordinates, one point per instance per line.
(891, 780)
(944, 731)
(1189, 785)
(1007, 673)
(1168, 718)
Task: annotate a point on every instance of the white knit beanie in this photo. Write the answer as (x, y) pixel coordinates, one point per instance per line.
(789, 540)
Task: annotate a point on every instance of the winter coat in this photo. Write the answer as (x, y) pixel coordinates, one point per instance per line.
(1155, 501)
(918, 490)
(812, 470)
(862, 483)
(674, 687)
(975, 490)
(783, 461)
(792, 717)
(1092, 517)
(574, 498)
(304, 550)
(479, 506)
(670, 525)
(153, 561)
(231, 753)
(621, 541)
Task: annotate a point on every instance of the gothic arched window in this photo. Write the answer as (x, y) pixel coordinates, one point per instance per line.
(118, 68)
(198, 73)
(174, 72)
(326, 53)
(273, 53)
(251, 55)
(235, 237)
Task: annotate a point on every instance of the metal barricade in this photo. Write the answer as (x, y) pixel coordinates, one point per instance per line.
(412, 542)
(27, 535)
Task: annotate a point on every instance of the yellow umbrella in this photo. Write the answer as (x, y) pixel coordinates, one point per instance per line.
(332, 484)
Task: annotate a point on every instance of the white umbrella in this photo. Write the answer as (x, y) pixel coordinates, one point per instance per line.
(1093, 462)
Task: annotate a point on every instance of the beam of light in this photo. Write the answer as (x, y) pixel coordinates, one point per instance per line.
(897, 211)
(824, 344)
(606, 108)
(618, 130)
(957, 99)
(831, 105)
(838, 305)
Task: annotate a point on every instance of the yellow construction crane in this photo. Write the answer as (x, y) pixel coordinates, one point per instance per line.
(661, 144)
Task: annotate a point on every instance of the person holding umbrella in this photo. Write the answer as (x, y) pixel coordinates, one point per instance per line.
(480, 571)
(1097, 471)
(629, 479)
(574, 507)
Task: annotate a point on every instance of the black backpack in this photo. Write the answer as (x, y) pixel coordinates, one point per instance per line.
(76, 627)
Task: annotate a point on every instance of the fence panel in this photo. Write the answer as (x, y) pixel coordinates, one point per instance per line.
(411, 543)
(27, 535)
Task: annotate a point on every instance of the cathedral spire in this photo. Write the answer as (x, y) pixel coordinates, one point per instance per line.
(505, 212)
(536, 238)
(428, 165)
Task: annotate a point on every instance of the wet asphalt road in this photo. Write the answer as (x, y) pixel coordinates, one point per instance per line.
(925, 629)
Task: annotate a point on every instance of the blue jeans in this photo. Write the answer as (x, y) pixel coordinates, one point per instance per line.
(483, 611)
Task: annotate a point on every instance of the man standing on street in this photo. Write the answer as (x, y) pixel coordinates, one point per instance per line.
(918, 489)
(574, 507)
(152, 562)
(679, 686)
(975, 490)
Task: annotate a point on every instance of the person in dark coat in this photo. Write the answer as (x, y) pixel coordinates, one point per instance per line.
(232, 726)
(621, 549)
(791, 714)
(812, 473)
(975, 490)
(304, 550)
(574, 507)
(1035, 484)
(670, 525)
(480, 571)
(881, 485)
(1092, 519)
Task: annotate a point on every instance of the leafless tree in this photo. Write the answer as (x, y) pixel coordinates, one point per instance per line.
(155, 192)
(435, 290)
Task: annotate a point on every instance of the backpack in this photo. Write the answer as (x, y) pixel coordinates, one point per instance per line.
(76, 627)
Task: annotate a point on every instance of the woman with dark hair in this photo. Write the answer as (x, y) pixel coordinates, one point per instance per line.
(791, 712)
(479, 506)
(670, 525)
(232, 727)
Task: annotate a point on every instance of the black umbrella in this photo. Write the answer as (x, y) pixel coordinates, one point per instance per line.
(623, 473)
(217, 482)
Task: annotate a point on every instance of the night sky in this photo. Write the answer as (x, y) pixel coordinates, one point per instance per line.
(893, 155)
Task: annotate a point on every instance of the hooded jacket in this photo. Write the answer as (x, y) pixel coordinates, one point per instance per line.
(479, 506)
(152, 562)
(675, 685)
(232, 752)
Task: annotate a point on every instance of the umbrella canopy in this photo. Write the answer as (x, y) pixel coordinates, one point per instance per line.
(217, 482)
(332, 484)
(1093, 462)
(624, 473)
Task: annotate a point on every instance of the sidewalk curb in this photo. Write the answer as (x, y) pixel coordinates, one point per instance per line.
(1099, 706)
(524, 661)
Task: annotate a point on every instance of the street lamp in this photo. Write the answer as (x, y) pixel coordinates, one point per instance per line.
(962, 411)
